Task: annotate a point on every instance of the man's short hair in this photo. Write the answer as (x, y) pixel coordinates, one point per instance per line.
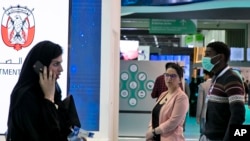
(220, 48)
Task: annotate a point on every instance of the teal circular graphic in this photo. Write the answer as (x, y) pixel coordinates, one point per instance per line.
(132, 101)
(133, 68)
(133, 85)
(150, 85)
(124, 76)
(141, 94)
(124, 93)
(142, 76)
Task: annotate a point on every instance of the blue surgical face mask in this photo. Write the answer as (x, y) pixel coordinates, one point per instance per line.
(206, 63)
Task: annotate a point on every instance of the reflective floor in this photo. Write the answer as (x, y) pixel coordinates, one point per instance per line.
(192, 128)
(192, 131)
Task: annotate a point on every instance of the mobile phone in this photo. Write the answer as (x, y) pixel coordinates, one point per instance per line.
(38, 67)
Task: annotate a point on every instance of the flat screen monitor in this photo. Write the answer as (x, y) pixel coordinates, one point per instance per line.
(175, 58)
(237, 54)
(248, 54)
(129, 49)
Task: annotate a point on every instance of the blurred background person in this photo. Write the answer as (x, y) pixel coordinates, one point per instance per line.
(203, 89)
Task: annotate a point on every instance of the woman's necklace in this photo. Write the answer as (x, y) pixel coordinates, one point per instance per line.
(167, 96)
(165, 99)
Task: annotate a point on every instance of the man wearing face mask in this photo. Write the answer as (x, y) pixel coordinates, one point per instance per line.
(225, 105)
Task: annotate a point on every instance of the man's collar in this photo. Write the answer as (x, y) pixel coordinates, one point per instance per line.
(218, 72)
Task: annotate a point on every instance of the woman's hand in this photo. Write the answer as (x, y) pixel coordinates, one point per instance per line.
(149, 135)
(47, 83)
(84, 139)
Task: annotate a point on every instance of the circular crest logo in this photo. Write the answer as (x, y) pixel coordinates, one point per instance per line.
(18, 27)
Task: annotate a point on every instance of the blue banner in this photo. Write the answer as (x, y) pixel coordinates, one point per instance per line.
(84, 60)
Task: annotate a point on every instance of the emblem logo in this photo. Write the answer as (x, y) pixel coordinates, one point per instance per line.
(18, 27)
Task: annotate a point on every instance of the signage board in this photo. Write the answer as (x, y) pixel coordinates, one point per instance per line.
(163, 26)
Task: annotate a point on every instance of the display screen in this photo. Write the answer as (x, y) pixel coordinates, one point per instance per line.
(24, 23)
(237, 54)
(175, 58)
(129, 49)
(248, 54)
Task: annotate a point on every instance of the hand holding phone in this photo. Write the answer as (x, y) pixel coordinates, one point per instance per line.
(38, 67)
(46, 80)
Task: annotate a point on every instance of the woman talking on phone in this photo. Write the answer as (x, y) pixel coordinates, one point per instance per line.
(36, 112)
(169, 112)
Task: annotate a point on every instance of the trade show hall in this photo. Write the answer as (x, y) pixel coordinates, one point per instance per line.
(192, 130)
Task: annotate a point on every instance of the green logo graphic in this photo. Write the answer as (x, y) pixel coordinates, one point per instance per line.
(134, 85)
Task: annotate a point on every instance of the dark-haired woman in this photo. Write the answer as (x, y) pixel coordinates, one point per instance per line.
(169, 113)
(36, 112)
